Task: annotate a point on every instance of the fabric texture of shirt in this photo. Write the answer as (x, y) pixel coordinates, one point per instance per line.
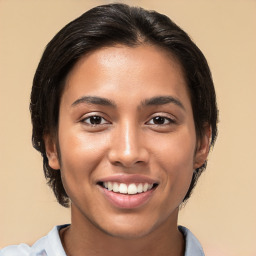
(50, 245)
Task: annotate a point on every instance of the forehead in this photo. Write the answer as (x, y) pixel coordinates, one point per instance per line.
(140, 70)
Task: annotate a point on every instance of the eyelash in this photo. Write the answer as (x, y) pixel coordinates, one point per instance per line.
(167, 120)
(97, 118)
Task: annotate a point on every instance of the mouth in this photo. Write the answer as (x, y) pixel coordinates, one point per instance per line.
(128, 188)
(128, 191)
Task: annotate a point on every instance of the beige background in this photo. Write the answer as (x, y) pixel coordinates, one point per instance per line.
(222, 210)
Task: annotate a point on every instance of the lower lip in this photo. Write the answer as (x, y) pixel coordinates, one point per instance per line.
(127, 201)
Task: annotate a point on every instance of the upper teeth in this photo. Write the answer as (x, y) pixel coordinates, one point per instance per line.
(130, 189)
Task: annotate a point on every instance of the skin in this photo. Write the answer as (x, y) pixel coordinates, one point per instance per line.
(128, 140)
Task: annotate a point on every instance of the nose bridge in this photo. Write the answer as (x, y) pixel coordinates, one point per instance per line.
(127, 148)
(130, 139)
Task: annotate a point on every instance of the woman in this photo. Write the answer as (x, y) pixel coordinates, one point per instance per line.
(124, 113)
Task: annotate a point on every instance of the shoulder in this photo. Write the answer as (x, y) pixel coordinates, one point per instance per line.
(193, 246)
(16, 250)
(49, 245)
(22, 250)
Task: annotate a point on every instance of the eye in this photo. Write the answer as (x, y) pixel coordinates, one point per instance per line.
(95, 120)
(160, 120)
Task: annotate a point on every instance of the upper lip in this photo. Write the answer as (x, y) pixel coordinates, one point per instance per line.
(128, 178)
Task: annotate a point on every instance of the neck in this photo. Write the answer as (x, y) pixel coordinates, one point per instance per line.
(84, 239)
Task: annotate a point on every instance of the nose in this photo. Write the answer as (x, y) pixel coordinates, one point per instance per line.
(127, 147)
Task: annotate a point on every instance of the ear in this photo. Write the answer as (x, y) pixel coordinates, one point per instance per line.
(203, 146)
(51, 152)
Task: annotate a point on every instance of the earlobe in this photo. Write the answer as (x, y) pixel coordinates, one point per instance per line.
(203, 147)
(51, 152)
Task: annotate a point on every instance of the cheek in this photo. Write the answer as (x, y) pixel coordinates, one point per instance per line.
(177, 149)
(176, 159)
(80, 156)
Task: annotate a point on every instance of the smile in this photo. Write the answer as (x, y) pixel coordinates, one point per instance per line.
(130, 189)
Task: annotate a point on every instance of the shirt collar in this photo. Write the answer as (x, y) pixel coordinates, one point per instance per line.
(193, 246)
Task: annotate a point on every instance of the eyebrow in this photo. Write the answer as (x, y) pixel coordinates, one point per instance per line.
(162, 100)
(155, 101)
(94, 100)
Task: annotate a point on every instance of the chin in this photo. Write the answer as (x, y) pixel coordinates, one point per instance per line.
(126, 231)
(127, 234)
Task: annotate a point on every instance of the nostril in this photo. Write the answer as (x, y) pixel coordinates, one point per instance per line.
(127, 156)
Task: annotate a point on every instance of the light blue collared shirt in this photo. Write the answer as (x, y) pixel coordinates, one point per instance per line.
(50, 245)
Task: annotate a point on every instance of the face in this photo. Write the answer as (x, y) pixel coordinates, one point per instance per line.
(127, 140)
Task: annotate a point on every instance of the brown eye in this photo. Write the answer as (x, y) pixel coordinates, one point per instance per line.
(95, 120)
(160, 120)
